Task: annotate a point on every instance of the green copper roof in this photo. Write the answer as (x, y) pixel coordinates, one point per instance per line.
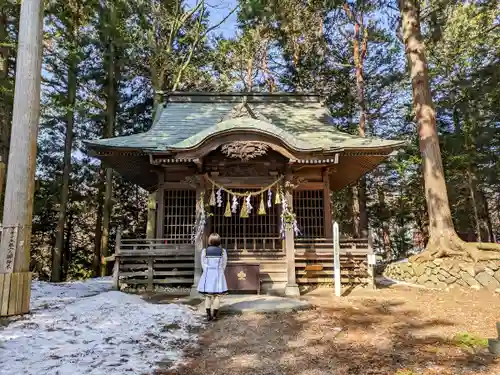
(302, 122)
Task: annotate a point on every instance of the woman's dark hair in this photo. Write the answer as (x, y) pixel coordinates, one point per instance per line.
(214, 240)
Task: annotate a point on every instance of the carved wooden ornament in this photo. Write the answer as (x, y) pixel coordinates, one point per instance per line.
(244, 150)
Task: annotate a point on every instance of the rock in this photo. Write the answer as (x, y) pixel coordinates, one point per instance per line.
(493, 265)
(488, 281)
(478, 268)
(438, 261)
(454, 273)
(428, 271)
(444, 272)
(461, 283)
(447, 266)
(434, 279)
(465, 276)
(489, 271)
(422, 279)
(419, 269)
(497, 275)
(441, 277)
(497, 290)
(468, 267)
(430, 265)
(446, 277)
(450, 280)
(476, 287)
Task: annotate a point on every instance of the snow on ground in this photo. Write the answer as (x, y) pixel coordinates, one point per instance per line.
(86, 328)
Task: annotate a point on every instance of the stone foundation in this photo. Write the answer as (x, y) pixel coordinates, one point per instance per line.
(448, 272)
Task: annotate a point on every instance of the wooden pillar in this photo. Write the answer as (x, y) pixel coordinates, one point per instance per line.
(2, 176)
(151, 224)
(371, 267)
(15, 245)
(199, 243)
(291, 288)
(327, 201)
(116, 265)
(160, 206)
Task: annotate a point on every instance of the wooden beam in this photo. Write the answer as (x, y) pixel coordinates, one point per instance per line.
(116, 265)
(19, 192)
(198, 246)
(151, 223)
(160, 206)
(327, 212)
(291, 288)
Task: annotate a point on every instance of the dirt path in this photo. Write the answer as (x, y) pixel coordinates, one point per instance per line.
(395, 330)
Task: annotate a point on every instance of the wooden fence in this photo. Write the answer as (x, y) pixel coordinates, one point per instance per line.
(146, 263)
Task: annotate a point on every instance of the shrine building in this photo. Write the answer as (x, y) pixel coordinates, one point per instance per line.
(256, 168)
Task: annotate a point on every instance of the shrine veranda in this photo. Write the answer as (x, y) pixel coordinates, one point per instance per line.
(259, 170)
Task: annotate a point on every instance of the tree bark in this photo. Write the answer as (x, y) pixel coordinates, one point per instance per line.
(96, 262)
(443, 240)
(66, 259)
(386, 236)
(106, 217)
(471, 182)
(112, 77)
(360, 46)
(356, 228)
(487, 216)
(68, 147)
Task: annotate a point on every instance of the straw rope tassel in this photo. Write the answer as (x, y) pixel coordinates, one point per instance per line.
(244, 209)
(278, 197)
(262, 208)
(228, 207)
(212, 197)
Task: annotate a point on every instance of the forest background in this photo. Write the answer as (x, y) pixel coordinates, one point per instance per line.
(107, 63)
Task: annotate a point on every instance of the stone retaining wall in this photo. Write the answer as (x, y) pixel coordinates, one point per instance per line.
(448, 272)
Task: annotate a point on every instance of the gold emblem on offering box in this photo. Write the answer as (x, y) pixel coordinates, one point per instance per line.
(242, 275)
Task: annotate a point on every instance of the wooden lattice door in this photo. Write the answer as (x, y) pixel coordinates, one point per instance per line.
(254, 233)
(309, 207)
(180, 211)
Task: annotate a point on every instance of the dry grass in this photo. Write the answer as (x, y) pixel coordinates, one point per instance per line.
(391, 331)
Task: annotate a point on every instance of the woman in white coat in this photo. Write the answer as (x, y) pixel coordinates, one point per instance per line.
(213, 281)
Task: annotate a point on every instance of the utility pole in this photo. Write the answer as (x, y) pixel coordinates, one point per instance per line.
(15, 278)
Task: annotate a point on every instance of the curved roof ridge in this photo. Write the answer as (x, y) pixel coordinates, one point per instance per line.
(249, 124)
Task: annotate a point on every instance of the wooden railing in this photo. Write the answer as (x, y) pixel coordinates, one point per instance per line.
(257, 245)
(314, 261)
(152, 246)
(354, 246)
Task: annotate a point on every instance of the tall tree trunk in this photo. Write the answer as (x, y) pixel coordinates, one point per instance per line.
(356, 228)
(443, 240)
(112, 77)
(249, 75)
(359, 53)
(67, 248)
(471, 182)
(106, 217)
(66, 176)
(487, 216)
(96, 263)
(386, 237)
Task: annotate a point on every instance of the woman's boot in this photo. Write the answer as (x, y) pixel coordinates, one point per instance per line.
(214, 316)
(209, 315)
